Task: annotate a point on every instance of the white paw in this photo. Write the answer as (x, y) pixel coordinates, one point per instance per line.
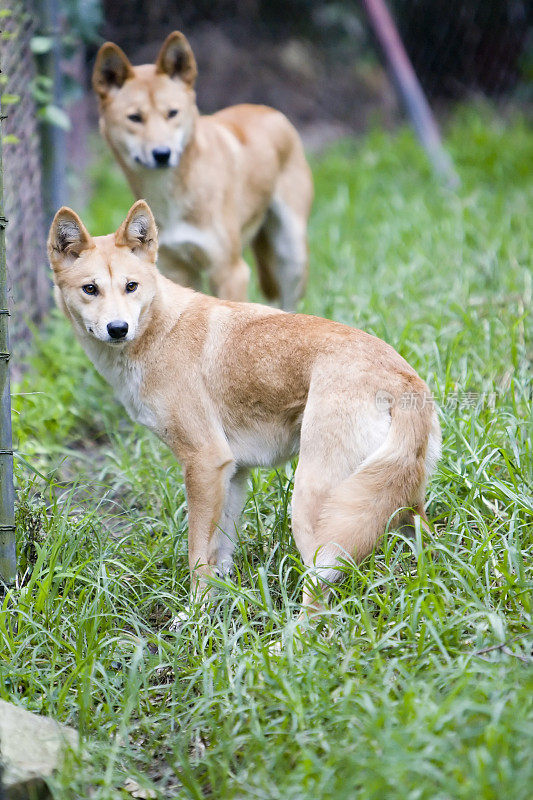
(276, 648)
(178, 621)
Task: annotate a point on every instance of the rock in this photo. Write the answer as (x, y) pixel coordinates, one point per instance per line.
(30, 750)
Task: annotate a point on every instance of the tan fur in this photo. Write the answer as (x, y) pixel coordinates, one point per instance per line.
(357, 511)
(229, 386)
(234, 178)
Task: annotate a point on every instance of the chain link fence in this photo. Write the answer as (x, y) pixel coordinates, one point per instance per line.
(312, 59)
(28, 281)
(461, 48)
(458, 47)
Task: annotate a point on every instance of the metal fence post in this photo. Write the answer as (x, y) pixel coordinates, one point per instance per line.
(53, 140)
(8, 563)
(410, 90)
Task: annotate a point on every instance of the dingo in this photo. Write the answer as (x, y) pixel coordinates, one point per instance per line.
(215, 183)
(229, 386)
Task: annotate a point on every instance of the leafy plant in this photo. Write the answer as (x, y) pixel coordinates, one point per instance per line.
(79, 21)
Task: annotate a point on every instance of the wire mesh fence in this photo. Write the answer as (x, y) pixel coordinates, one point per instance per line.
(28, 282)
(459, 47)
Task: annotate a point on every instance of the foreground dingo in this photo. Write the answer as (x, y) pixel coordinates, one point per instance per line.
(215, 183)
(229, 386)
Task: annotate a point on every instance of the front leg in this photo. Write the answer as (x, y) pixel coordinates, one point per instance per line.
(208, 473)
(230, 282)
(177, 270)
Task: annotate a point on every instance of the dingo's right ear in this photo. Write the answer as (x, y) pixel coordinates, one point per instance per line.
(68, 237)
(111, 70)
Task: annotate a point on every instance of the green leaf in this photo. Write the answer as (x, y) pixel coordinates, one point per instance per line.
(41, 96)
(10, 99)
(10, 138)
(44, 82)
(41, 44)
(55, 116)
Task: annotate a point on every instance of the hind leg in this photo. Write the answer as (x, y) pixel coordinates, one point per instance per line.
(406, 521)
(265, 259)
(337, 435)
(332, 447)
(280, 249)
(286, 226)
(311, 487)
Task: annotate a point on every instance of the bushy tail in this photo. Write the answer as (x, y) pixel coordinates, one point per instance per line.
(357, 511)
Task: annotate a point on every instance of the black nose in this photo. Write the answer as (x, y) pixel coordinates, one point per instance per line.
(161, 155)
(117, 329)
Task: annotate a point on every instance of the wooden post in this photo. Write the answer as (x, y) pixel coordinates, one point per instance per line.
(8, 563)
(410, 90)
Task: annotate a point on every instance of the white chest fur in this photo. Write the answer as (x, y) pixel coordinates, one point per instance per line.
(176, 233)
(158, 187)
(181, 236)
(125, 377)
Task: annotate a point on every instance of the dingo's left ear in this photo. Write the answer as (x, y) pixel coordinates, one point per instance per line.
(67, 239)
(176, 59)
(139, 232)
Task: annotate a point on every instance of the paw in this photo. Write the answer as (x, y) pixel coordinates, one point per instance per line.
(276, 648)
(177, 622)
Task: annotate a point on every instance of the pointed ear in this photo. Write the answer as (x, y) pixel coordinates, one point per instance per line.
(111, 69)
(67, 239)
(139, 232)
(176, 59)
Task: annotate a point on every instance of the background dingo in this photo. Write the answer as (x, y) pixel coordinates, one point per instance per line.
(215, 183)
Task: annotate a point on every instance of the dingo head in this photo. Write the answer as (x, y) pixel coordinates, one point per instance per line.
(147, 113)
(105, 284)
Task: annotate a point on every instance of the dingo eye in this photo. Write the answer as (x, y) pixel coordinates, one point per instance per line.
(131, 286)
(172, 113)
(90, 288)
(135, 117)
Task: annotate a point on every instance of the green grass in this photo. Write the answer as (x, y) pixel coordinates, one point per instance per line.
(420, 685)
